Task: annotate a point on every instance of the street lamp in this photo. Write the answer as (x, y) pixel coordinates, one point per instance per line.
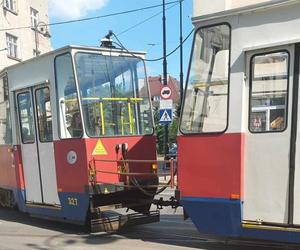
(43, 31)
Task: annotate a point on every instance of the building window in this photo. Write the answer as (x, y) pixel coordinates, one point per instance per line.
(156, 98)
(36, 53)
(34, 15)
(10, 5)
(12, 46)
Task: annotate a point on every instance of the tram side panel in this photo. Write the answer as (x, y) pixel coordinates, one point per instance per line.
(8, 166)
(210, 179)
(8, 174)
(74, 157)
(210, 173)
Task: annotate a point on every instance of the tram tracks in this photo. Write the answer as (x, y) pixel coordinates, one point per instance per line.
(171, 231)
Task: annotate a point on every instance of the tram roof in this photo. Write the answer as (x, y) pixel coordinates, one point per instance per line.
(79, 48)
(244, 10)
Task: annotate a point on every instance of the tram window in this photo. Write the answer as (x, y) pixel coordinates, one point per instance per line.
(5, 117)
(269, 92)
(70, 125)
(114, 95)
(206, 101)
(26, 117)
(44, 114)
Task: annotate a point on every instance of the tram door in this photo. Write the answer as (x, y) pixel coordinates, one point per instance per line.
(268, 135)
(36, 140)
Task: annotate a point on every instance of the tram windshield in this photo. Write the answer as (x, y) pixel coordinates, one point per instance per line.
(114, 95)
(205, 105)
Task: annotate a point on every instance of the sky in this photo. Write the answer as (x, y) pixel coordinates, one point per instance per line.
(133, 30)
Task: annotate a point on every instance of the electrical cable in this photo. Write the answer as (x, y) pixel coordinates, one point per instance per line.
(147, 19)
(119, 43)
(95, 17)
(143, 190)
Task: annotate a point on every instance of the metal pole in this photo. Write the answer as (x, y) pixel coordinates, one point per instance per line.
(165, 76)
(181, 57)
(36, 39)
(172, 172)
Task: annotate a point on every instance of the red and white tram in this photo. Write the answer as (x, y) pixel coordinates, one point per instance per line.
(70, 121)
(241, 177)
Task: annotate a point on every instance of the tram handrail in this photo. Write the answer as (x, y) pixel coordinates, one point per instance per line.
(135, 161)
(130, 101)
(133, 99)
(129, 186)
(171, 161)
(130, 174)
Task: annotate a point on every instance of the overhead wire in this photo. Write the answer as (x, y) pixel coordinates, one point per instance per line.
(174, 3)
(95, 17)
(119, 43)
(147, 19)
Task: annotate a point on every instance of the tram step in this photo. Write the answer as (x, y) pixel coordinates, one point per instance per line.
(112, 222)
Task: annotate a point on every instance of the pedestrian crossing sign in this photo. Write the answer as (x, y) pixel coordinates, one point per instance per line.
(165, 116)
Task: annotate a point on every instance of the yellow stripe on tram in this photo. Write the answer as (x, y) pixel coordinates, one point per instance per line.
(269, 227)
(102, 119)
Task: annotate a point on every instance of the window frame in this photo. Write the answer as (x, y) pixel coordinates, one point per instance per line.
(57, 102)
(6, 100)
(148, 93)
(12, 43)
(12, 6)
(20, 120)
(188, 77)
(287, 90)
(36, 111)
(34, 17)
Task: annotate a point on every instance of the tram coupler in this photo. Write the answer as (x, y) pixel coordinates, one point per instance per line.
(172, 202)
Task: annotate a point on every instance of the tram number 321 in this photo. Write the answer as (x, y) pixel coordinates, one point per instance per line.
(72, 201)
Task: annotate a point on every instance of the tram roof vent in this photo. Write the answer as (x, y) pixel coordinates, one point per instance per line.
(107, 42)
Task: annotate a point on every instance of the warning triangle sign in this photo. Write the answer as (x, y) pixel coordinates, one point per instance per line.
(165, 117)
(99, 149)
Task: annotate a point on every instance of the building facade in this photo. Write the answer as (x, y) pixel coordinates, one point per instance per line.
(23, 35)
(23, 30)
(155, 85)
(205, 7)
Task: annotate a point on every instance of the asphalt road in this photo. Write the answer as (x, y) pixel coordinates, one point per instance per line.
(20, 231)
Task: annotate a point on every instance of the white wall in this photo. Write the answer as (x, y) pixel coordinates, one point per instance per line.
(204, 7)
(26, 37)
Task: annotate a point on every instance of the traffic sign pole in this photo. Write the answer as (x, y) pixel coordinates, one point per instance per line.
(166, 130)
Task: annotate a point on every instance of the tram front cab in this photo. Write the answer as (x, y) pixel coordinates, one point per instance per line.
(111, 115)
(85, 133)
(241, 178)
